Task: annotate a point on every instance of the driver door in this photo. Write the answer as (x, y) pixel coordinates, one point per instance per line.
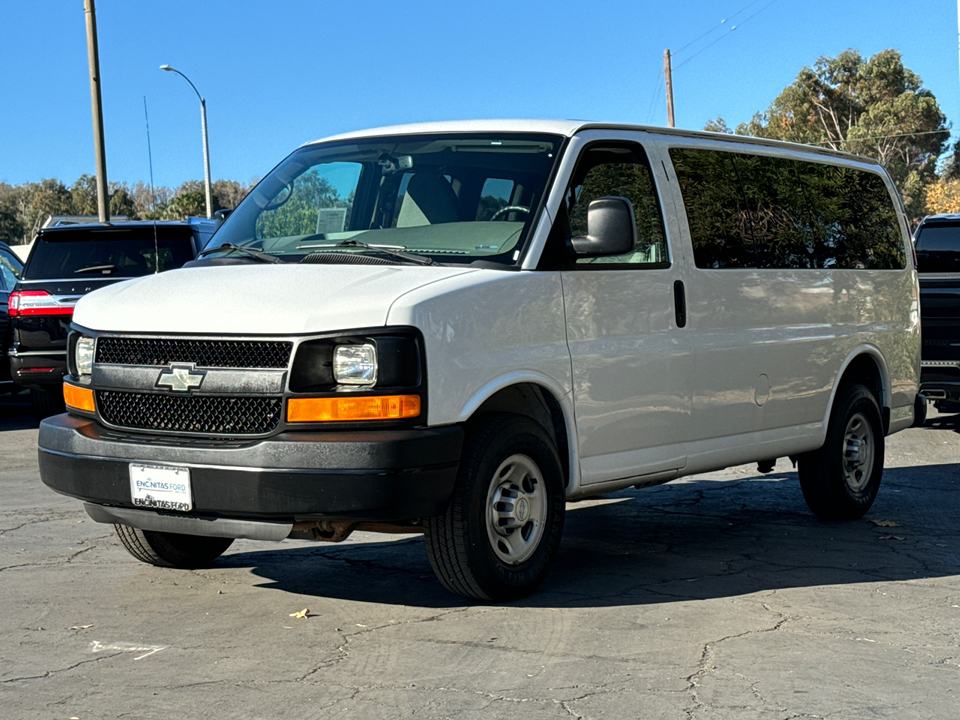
(627, 346)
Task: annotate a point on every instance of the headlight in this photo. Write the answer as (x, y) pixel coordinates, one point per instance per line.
(84, 355)
(355, 364)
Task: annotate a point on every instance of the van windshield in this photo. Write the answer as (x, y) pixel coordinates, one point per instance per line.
(434, 198)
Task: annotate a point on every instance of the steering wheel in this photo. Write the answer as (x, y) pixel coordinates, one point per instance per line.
(509, 208)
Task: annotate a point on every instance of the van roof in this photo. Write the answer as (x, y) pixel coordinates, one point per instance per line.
(569, 128)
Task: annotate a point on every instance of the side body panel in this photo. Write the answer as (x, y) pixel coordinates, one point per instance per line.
(484, 331)
(769, 345)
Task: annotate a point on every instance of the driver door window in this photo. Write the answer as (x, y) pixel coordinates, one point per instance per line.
(619, 172)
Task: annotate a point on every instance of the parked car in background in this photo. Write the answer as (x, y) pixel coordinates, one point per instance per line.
(66, 263)
(937, 241)
(10, 269)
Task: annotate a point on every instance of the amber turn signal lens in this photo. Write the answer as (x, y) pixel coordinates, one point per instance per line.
(79, 398)
(348, 409)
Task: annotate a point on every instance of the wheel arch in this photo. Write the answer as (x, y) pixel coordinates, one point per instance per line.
(541, 402)
(866, 366)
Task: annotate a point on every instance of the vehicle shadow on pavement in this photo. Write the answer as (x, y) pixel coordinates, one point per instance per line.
(15, 413)
(691, 540)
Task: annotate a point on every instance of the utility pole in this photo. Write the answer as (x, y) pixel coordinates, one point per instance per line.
(103, 195)
(668, 75)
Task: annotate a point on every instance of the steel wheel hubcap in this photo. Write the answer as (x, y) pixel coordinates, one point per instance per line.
(516, 511)
(857, 453)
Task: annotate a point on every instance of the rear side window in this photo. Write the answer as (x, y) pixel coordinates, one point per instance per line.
(757, 211)
(938, 248)
(114, 252)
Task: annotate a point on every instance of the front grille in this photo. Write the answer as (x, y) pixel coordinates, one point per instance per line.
(203, 353)
(187, 413)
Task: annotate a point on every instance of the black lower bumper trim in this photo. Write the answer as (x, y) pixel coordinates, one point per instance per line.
(189, 525)
(376, 476)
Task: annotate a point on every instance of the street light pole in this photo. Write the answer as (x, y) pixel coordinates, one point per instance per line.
(206, 141)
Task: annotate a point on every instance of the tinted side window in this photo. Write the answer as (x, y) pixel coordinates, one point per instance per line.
(619, 172)
(790, 213)
(716, 213)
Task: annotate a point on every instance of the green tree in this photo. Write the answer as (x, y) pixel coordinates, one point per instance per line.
(228, 193)
(184, 203)
(874, 107)
(121, 203)
(11, 224)
(83, 196)
(42, 199)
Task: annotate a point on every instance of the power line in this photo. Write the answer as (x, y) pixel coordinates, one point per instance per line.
(656, 96)
(747, 19)
(719, 24)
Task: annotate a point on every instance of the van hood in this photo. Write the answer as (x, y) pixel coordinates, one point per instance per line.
(255, 299)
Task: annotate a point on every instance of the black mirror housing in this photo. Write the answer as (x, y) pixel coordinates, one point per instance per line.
(611, 229)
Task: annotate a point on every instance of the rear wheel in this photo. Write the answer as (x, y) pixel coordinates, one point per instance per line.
(170, 549)
(502, 527)
(840, 480)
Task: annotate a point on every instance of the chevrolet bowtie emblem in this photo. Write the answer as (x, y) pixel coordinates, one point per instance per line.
(180, 379)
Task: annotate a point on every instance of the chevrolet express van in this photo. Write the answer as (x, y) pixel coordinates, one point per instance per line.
(455, 328)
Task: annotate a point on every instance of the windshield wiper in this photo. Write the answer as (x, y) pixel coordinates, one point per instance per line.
(390, 250)
(250, 252)
(105, 269)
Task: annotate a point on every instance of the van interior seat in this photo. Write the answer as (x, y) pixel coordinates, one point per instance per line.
(429, 200)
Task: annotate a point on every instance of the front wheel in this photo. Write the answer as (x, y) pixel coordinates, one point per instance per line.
(171, 550)
(501, 530)
(840, 480)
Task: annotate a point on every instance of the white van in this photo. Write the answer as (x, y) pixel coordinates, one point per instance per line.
(453, 328)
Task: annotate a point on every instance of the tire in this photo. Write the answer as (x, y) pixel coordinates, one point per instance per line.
(500, 532)
(919, 411)
(46, 402)
(840, 480)
(171, 550)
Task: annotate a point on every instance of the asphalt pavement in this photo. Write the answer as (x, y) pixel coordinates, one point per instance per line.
(716, 597)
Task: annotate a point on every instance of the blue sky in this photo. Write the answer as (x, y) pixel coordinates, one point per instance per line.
(277, 74)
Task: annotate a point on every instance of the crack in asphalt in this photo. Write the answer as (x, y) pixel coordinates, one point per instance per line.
(51, 673)
(708, 653)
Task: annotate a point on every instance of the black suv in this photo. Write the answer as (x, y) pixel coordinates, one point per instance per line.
(937, 241)
(66, 263)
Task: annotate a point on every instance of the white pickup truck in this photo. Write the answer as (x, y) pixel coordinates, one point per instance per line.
(454, 328)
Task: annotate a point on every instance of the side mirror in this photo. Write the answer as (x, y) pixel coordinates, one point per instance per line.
(611, 229)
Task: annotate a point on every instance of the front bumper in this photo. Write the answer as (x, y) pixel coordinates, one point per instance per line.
(362, 476)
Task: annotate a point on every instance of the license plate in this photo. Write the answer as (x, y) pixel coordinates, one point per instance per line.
(161, 486)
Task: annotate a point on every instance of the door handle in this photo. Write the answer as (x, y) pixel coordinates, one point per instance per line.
(680, 303)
